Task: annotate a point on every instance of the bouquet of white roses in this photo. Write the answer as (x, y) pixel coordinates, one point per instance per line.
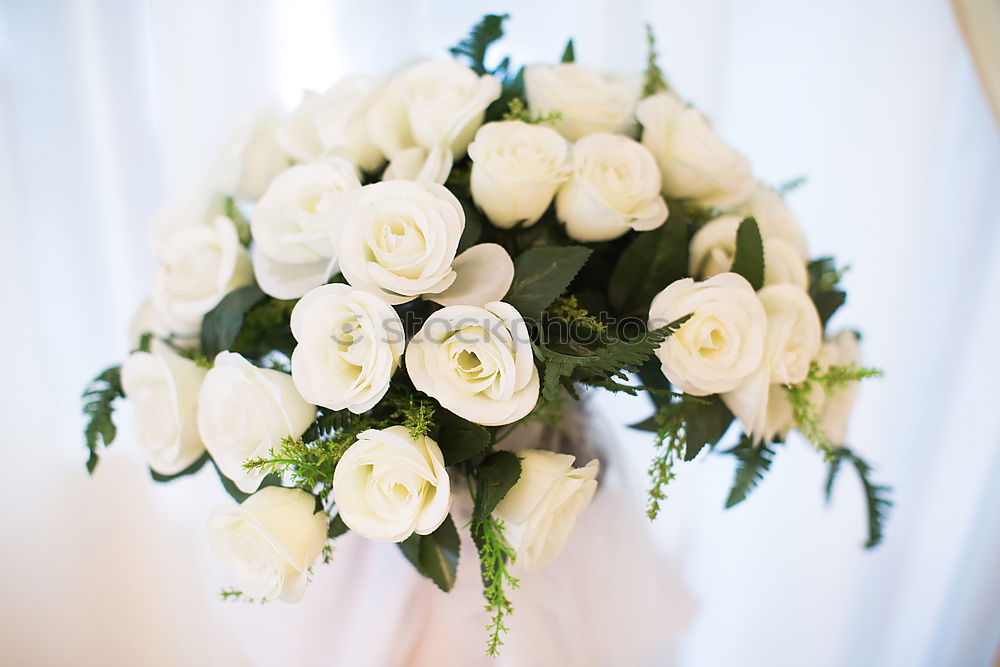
(373, 290)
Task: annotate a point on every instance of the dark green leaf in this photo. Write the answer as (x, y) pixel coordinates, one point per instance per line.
(98, 408)
(831, 475)
(473, 48)
(336, 528)
(436, 555)
(706, 420)
(190, 470)
(542, 274)
(824, 287)
(569, 55)
(753, 462)
(473, 226)
(876, 501)
(650, 424)
(498, 472)
(234, 491)
(749, 258)
(223, 323)
(459, 438)
(653, 260)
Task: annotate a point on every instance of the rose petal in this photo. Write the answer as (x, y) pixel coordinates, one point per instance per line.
(290, 281)
(485, 272)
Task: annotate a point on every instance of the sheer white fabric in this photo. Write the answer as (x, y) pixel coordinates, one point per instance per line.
(110, 109)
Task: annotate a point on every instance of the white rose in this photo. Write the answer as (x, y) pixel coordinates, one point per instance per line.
(349, 345)
(516, 169)
(713, 248)
(244, 411)
(614, 187)
(835, 412)
(389, 485)
(333, 123)
(197, 208)
(540, 510)
(292, 225)
(587, 100)
(774, 218)
(199, 265)
(430, 112)
(398, 239)
(250, 156)
(163, 390)
(477, 362)
(694, 161)
(269, 542)
(723, 341)
(793, 339)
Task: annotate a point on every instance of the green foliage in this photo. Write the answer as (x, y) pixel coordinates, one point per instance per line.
(239, 221)
(98, 408)
(145, 341)
(752, 463)
(474, 47)
(877, 500)
(436, 555)
(600, 367)
(495, 476)
(653, 260)
(654, 81)
(567, 308)
(336, 527)
(310, 465)
(706, 420)
(516, 110)
(749, 258)
(458, 438)
(669, 444)
(473, 222)
(791, 186)
(198, 464)
(495, 557)
(569, 54)
(221, 325)
(266, 328)
(542, 274)
(234, 491)
(824, 287)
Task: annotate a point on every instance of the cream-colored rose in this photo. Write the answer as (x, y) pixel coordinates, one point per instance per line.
(250, 157)
(244, 411)
(292, 225)
(695, 163)
(540, 510)
(614, 188)
(333, 124)
(516, 169)
(389, 485)
(349, 345)
(477, 362)
(163, 390)
(844, 349)
(197, 208)
(774, 218)
(429, 112)
(723, 341)
(269, 542)
(398, 239)
(587, 101)
(713, 248)
(793, 339)
(199, 265)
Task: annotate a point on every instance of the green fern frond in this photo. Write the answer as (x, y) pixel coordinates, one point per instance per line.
(753, 463)
(98, 407)
(474, 47)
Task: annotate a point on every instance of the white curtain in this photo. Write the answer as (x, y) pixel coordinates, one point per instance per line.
(109, 109)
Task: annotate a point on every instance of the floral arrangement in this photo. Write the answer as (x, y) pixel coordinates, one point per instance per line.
(373, 290)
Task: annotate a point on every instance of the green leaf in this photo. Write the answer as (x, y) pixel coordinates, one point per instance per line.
(653, 260)
(98, 408)
(607, 362)
(831, 476)
(494, 478)
(459, 438)
(436, 555)
(474, 47)
(223, 323)
(569, 55)
(654, 81)
(706, 420)
(824, 287)
(473, 226)
(542, 274)
(336, 528)
(749, 258)
(877, 501)
(753, 463)
(234, 491)
(190, 470)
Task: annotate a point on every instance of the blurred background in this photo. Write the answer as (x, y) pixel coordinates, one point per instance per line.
(111, 109)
